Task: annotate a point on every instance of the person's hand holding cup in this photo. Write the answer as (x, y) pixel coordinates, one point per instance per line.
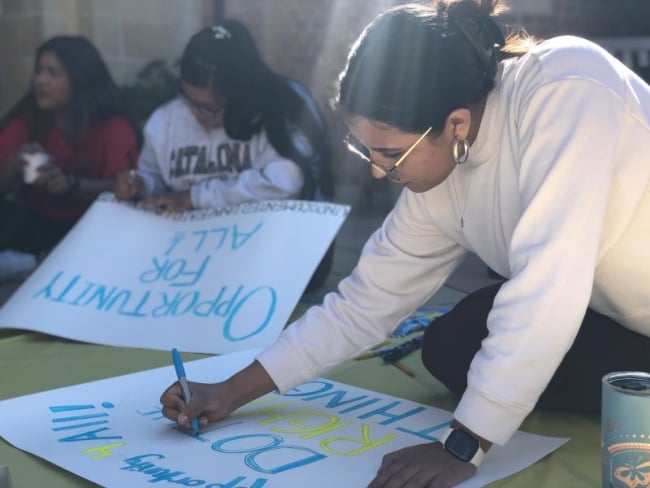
(33, 161)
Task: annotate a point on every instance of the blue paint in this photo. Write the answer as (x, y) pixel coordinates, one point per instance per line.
(273, 443)
(157, 411)
(175, 272)
(211, 240)
(80, 417)
(79, 426)
(391, 417)
(318, 386)
(89, 436)
(424, 433)
(73, 421)
(146, 464)
(176, 239)
(68, 408)
(227, 303)
(319, 389)
(228, 327)
(372, 401)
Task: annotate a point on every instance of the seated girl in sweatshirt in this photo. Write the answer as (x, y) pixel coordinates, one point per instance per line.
(236, 132)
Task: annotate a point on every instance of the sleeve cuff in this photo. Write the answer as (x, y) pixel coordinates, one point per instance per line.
(194, 196)
(284, 365)
(494, 421)
(147, 184)
(203, 196)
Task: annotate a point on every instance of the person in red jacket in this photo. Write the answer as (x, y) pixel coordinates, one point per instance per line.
(74, 116)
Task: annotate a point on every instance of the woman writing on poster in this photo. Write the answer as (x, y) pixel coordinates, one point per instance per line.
(532, 155)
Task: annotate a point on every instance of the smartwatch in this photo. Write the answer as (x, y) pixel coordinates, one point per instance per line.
(462, 445)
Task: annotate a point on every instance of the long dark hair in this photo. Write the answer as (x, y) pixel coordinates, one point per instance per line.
(94, 94)
(225, 58)
(415, 64)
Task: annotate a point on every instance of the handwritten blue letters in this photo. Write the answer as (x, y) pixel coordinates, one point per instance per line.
(169, 286)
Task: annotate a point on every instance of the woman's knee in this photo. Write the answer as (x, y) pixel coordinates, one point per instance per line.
(451, 341)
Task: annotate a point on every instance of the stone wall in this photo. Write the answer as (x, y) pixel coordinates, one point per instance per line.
(588, 18)
(304, 39)
(309, 40)
(128, 33)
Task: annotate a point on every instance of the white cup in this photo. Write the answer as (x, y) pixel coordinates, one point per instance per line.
(33, 161)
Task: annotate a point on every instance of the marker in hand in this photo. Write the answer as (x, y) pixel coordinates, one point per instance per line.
(180, 374)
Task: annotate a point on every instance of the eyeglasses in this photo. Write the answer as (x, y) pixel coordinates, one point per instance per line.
(354, 145)
(211, 112)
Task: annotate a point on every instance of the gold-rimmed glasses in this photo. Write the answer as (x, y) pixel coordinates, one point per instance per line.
(354, 145)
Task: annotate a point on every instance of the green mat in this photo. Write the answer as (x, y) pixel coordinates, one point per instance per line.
(32, 362)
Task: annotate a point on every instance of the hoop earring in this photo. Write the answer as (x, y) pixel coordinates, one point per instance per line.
(460, 154)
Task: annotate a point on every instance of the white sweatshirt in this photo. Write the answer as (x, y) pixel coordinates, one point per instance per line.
(558, 201)
(180, 154)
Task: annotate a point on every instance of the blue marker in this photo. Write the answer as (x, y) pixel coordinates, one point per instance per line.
(180, 373)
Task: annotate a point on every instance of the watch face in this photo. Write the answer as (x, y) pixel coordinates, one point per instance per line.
(461, 444)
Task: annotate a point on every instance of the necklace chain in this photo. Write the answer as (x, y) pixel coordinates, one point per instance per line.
(461, 210)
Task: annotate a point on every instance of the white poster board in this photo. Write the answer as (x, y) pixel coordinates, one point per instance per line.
(331, 434)
(202, 281)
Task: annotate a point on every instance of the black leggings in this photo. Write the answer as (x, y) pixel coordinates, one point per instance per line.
(601, 346)
(22, 229)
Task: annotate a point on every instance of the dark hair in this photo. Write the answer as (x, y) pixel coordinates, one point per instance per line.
(225, 58)
(94, 94)
(415, 64)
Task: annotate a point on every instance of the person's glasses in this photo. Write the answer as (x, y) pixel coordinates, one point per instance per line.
(205, 110)
(354, 145)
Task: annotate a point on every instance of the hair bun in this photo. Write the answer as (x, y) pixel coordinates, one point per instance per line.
(493, 31)
(473, 18)
(472, 8)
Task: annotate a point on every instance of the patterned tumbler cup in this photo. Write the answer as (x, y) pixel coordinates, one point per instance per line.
(625, 443)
